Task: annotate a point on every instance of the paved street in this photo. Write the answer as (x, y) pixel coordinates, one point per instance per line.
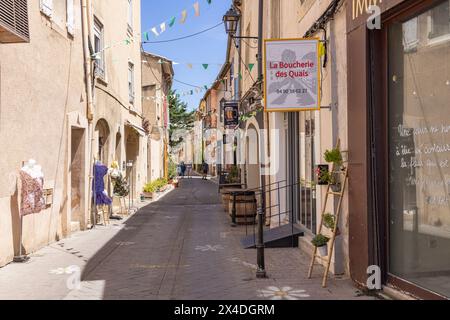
(180, 247)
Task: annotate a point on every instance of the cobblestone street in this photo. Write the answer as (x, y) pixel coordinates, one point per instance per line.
(180, 247)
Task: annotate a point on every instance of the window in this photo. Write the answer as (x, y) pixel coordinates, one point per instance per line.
(419, 154)
(14, 21)
(131, 82)
(440, 21)
(47, 7)
(130, 15)
(99, 49)
(410, 34)
(70, 17)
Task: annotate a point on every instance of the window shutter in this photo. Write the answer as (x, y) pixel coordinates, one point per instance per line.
(70, 17)
(14, 21)
(47, 7)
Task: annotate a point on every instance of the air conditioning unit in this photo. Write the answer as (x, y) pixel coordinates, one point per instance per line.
(14, 26)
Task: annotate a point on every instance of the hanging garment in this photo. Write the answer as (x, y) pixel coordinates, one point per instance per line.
(101, 197)
(32, 194)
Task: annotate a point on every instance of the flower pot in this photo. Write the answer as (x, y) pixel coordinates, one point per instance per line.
(148, 195)
(323, 250)
(336, 187)
(175, 184)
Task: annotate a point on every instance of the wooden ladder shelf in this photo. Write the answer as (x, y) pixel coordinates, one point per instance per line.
(344, 174)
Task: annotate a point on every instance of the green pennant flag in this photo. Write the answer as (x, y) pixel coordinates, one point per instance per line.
(192, 92)
(206, 87)
(127, 41)
(250, 66)
(209, 1)
(240, 76)
(172, 22)
(205, 65)
(146, 36)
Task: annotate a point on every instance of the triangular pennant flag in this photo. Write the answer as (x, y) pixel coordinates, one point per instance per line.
(160, 61)
(163, 27)
(250, 66)
(192, 92)
(209, 1)
(146, 36)
(223, 81)
(189, 65)
(240, 76)
(205, 65)
(172, 22)
(197, 9)
(155, 31)
(183, 16)
(206, 87)
(127, 41)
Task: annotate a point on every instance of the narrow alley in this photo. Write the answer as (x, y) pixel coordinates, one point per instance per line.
(180, 247)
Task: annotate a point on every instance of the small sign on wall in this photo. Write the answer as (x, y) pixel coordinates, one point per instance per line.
(291, 75)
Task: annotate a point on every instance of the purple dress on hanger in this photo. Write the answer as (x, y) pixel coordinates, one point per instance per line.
(101, 198)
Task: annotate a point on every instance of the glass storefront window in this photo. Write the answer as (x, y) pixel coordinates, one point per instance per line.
(419, 147)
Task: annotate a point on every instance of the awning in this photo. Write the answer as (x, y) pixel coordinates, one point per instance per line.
(138, 129)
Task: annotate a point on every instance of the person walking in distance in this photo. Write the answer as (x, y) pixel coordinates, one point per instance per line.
(189, 170)
(205, 169)
(183, 169)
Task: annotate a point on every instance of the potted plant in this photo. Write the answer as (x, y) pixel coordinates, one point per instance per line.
(320, 242)
(334, 156)
(175, 182)
(149, 190)
(329, 221)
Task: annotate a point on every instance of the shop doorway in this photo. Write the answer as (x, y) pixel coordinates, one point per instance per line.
(77, 178)
(132, 153)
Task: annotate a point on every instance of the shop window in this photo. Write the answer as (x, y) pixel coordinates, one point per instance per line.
(419, 152)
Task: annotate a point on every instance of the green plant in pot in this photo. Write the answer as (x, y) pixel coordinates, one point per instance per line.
(329, 221)
(334, 156)
(331, 178)
(320, 242)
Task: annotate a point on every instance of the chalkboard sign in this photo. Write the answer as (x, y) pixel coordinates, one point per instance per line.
(231, 114)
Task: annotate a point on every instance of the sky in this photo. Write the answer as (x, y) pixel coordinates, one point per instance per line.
(207, 48)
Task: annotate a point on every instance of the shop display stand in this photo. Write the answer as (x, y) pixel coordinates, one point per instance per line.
(343, 172)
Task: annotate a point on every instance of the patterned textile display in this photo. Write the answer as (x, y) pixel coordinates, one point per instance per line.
(32, 197)
(101, 197)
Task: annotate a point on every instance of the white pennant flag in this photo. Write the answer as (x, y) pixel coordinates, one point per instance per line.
(197, 9)
(155, 31)
(163, 27)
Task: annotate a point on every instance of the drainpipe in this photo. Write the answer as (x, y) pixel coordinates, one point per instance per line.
(86, 29)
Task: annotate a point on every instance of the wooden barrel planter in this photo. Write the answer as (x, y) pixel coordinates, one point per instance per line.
(226, 197)
(245, 207)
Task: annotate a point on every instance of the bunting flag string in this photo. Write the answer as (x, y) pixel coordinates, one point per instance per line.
(171, 22)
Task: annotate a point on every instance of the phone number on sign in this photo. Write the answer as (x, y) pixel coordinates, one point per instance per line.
(292, 91)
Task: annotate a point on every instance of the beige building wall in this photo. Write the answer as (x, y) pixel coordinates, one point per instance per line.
(157, 75)
(118, 120)
(42, 111)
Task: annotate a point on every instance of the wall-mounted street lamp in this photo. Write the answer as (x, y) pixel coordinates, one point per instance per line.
(231, 20)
